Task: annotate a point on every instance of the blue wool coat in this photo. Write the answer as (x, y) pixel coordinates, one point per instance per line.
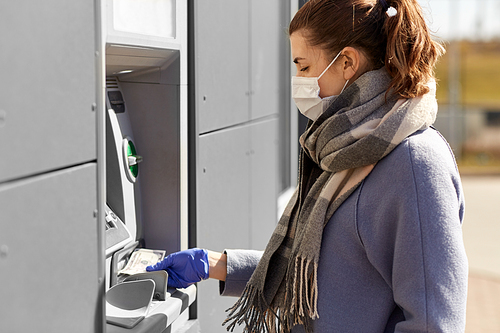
(392, 257)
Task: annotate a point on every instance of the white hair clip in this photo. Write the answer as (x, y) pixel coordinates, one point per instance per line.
(391, 11)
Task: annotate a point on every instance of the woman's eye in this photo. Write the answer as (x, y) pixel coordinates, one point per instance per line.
(304, 69)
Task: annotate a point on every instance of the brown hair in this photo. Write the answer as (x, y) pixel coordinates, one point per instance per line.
(402, 43)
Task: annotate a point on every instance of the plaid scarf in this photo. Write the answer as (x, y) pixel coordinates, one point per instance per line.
(338, 151)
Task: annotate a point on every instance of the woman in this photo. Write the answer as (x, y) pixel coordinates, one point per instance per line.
(371, 240)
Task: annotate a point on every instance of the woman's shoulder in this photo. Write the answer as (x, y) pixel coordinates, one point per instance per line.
(422, 159)
(430, 140)
(426, 152)
(419, 179)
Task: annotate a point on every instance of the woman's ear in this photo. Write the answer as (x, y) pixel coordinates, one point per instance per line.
(351, 63)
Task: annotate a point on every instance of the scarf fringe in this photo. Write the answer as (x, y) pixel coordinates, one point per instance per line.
(305, 300)
(252, 309)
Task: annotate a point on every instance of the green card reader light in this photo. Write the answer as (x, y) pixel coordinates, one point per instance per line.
(131, 159)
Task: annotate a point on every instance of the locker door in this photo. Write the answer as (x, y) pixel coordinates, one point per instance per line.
(223, 184)
(47, 88)
(49, 253)
(264, 180)
(222, 48)
(267, 40)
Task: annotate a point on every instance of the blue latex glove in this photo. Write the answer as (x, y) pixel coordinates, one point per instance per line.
(184, 268)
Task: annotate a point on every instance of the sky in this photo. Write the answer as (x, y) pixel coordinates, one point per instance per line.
(463, 19)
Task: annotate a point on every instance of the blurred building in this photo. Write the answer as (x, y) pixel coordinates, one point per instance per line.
(471, 119)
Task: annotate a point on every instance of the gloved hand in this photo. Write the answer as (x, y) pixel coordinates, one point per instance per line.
(184, 268)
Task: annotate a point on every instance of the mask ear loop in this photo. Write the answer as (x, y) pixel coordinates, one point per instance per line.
(329, 67)
(330, 64)
(344, 86)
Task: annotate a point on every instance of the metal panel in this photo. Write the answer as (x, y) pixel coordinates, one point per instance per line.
(266, 43)
(224, 189)
(155, 120)
(264, 180)
(222, 63)
(49, 253)
(47, 89)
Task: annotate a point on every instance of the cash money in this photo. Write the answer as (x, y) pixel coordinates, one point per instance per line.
(140, 259)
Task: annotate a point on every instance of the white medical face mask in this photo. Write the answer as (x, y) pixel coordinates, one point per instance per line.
(305, 93)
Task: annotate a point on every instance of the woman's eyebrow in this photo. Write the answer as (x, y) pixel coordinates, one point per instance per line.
(296, 60)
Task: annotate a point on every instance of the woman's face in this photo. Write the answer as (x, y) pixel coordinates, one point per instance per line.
(311, 61)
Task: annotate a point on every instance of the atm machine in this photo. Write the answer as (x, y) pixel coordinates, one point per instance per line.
(145, 60)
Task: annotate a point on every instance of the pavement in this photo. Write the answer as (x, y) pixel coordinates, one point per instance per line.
(481, 232)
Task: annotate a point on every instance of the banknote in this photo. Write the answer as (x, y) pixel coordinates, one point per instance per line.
(140, 259)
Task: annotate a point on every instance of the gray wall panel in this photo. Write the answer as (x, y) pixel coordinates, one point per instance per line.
(264, 178)
(224, 189)
(266, 40)
(238, 68)
(222, 75)
(212, 306)
(49, 253)
(47, 86)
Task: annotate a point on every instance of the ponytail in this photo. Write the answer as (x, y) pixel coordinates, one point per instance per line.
(411, 54)
(398, 40)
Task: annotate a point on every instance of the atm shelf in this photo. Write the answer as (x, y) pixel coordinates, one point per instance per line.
(161, 313)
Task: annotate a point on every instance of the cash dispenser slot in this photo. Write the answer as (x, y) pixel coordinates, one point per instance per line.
(140, 302)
